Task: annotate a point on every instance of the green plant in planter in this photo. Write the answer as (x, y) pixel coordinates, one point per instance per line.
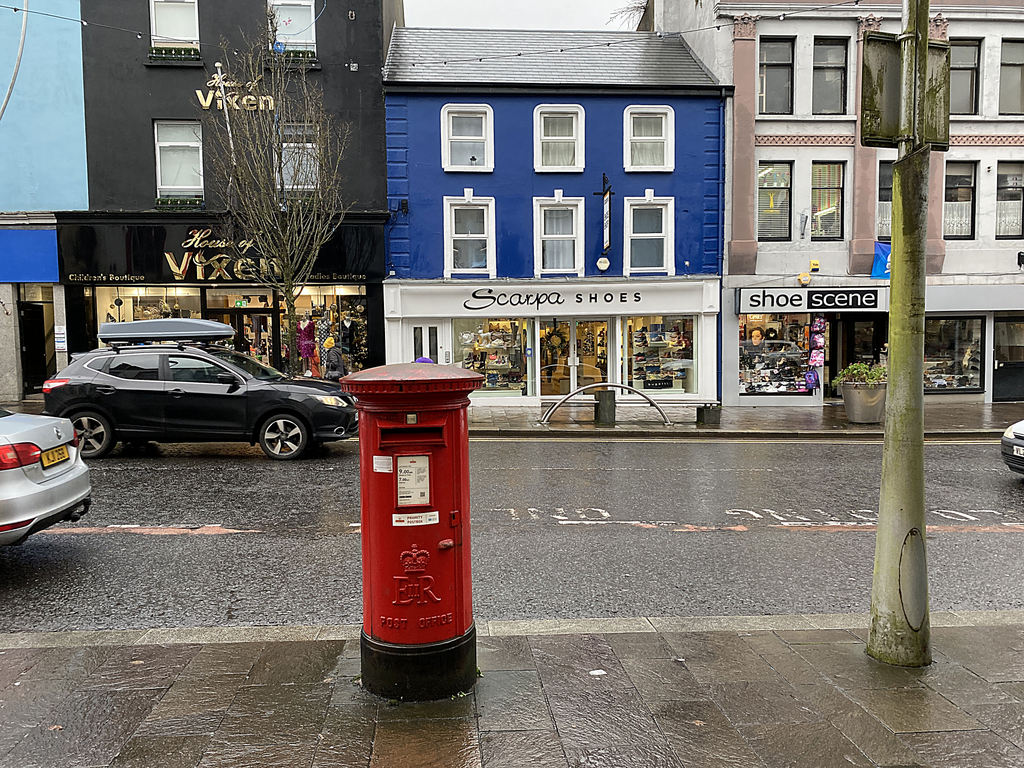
(862, 373)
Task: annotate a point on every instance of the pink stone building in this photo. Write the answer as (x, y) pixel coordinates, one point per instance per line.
(804, 197)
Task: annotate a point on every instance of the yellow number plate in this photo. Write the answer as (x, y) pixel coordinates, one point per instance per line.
(55, 456)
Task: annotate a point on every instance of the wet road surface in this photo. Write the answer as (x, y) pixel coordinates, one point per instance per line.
(200, 535)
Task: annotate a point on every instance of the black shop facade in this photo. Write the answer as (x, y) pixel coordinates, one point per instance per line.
(138, 268)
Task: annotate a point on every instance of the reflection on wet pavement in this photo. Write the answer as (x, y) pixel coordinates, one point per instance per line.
(806, 699)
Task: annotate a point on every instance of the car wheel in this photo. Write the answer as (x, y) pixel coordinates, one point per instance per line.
(284, 437)
(95, 434)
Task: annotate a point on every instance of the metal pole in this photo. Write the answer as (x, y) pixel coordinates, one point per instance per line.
(17, 61)
(900, 631)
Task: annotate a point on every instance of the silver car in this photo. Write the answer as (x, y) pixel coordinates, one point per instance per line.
(43, 479)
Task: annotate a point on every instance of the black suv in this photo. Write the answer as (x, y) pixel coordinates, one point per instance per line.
(191, 392)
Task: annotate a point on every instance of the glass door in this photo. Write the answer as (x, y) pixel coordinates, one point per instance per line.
(573, 353)
(591, 345)
(556, 376)
(1008, 376)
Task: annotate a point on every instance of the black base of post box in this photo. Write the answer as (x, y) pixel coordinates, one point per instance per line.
(419, 672)
(604, 408)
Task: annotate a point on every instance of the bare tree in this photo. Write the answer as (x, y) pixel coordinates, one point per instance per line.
(275, 154)
(630, 13)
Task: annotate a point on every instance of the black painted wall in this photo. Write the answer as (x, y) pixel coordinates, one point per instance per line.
(124, 93)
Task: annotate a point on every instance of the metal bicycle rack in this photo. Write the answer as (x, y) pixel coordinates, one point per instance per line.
(634, 390)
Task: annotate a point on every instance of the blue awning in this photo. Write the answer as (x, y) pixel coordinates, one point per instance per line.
(28, 256)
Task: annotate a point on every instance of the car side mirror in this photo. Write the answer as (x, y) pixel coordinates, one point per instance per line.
(227, 378)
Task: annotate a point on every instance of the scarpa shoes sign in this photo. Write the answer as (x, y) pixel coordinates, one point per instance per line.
(799, 300)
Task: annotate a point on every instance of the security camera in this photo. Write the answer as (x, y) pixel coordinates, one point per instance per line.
(1020, 259)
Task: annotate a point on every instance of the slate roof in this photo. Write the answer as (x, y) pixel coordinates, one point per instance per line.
(493, 57)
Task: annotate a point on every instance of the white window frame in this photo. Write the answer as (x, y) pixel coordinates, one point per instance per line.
(309, 145)
(468, 200)
(579, 135)
(165, 42)
(301, 46)
(473, 109)
(163, 190)
(670, 137)
(668, 204)
(540, 204)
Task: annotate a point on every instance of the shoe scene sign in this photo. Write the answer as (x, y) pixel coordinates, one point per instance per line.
(798, 300)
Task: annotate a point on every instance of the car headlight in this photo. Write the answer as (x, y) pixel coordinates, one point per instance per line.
(333, 400)
(1008, 434)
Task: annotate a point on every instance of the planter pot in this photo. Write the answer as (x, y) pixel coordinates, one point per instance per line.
(865, 403)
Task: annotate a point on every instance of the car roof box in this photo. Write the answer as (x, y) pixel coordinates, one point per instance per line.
(164, 329)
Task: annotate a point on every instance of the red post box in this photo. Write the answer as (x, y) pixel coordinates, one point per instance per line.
(418, 640)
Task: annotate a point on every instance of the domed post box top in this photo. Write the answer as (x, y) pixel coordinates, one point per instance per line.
(411, 378)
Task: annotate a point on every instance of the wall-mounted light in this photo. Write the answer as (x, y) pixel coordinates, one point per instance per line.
(1020, 259)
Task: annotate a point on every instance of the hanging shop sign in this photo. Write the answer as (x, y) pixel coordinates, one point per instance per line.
(197, 254)
(797, 300)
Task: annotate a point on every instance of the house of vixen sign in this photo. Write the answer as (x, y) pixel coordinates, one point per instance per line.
(190, 253)
(236, 95)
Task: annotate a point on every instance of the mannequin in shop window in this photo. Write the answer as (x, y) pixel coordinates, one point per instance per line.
(755, 343)
(307, 341)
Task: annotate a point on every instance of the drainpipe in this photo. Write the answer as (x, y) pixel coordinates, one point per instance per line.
(721, 237)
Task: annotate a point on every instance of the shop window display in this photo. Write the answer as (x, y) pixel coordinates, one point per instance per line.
(498, 350)
(660, 353)
(329, 311)
(952, 353)
(122, 305)
(780, 354)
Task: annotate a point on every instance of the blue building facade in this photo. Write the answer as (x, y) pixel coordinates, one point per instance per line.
(555, 234)
(42, 170)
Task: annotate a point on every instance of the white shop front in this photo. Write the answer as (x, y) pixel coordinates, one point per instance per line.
(535, 341)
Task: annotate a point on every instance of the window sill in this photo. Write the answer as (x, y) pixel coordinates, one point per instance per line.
(468, 169)
(986, 118)
(150, 62)
(566, 169)
(651, 169)
(180, 204)
(808, 118)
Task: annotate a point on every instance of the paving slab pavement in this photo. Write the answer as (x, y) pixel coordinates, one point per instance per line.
(669, 692)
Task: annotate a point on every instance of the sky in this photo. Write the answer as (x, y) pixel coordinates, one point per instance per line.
(521, 14)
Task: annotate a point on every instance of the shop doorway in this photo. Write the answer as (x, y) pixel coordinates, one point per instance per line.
(431, 340)
(1008, 376)
(857, 338)
(574, 353)
(33, 347)
(254, 333)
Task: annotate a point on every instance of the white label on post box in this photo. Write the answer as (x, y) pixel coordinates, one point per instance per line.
(413, 480)
(416, 518)
(382, 464)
